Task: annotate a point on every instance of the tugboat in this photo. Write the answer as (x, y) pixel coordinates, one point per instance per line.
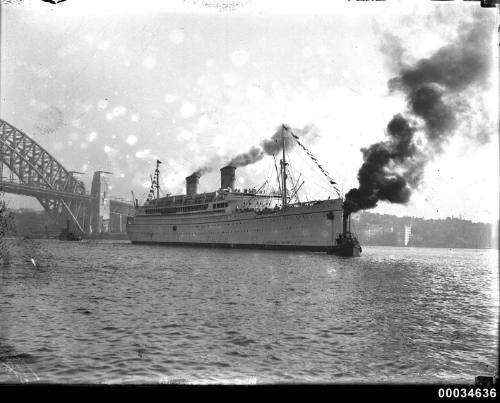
(346, 244)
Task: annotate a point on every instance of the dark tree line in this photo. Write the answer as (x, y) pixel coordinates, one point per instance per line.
(28, 222)
(385, 229)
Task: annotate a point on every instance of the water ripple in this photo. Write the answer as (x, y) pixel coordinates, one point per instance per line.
(113, 312)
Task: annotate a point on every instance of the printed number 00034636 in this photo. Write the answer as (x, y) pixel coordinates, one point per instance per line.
(467, 392)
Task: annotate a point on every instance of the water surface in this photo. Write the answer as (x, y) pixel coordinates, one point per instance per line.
(110, 311)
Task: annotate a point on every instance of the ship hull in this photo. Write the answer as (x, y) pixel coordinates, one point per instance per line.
(312, 248)
(344, 250)
(310, 227)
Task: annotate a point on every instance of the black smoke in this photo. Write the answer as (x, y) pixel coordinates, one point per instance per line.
(201, 171)
(250, 157)
(270, 146)
(274, 144)
(436, 90)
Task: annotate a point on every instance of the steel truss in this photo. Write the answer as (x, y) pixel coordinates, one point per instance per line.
(42, 176)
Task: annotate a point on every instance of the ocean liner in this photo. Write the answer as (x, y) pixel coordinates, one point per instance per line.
(243, 218)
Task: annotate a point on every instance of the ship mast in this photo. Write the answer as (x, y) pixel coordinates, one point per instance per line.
(157, 172)
(283, 169)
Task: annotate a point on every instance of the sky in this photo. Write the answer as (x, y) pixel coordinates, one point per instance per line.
(117, 85)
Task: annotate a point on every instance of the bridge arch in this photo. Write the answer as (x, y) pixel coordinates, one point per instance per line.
(64, 198)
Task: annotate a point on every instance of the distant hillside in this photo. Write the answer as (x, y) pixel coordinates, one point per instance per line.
(385, 229)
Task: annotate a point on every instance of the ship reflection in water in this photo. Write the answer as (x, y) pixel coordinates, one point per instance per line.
(108, 311)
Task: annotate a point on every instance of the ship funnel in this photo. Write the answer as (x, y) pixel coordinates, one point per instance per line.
(227, 177)
(192, 184)
(345, 223)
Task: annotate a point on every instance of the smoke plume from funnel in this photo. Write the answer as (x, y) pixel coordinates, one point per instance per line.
(270, 146)
(435, 89)
(250, 157)
(201, 171)
(274, 144)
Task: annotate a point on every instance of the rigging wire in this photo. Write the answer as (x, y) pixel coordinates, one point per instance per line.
(291, 170)
(313, 169)
(324, 171)
(328, 189)
(296, 192)
(304, 192)
(277, 173)
(294, 185)
(310, 166)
